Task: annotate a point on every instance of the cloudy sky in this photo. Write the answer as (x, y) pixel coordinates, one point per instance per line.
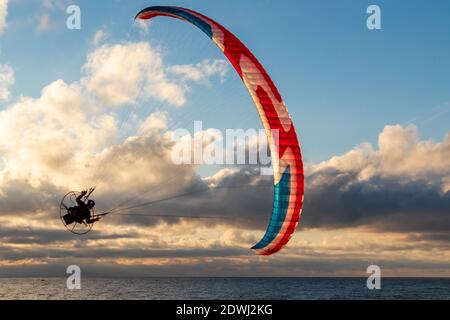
(98, 106)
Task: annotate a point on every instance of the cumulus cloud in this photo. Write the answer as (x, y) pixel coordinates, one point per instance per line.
(155, 122)
(123, 73)
(142, 163)
(46, 139)
(202, 70)
(402, 186)
(131, 72)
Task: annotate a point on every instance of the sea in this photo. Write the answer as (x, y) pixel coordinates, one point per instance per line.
(224, 288)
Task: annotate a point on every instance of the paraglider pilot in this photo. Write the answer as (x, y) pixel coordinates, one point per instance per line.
(83, 209)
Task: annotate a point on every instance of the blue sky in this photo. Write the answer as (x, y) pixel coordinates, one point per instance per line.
(341, 82)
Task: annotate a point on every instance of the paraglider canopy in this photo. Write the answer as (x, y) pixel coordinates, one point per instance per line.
(284, 146)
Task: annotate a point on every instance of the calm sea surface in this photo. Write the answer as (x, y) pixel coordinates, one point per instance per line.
(225, 288)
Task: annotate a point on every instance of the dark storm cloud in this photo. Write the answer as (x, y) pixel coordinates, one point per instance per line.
(19, 197)
(443, 237)
(340, 199)
(29, 235)
(333, 199)
(304, 265)
(242, 199)
(82, 252)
